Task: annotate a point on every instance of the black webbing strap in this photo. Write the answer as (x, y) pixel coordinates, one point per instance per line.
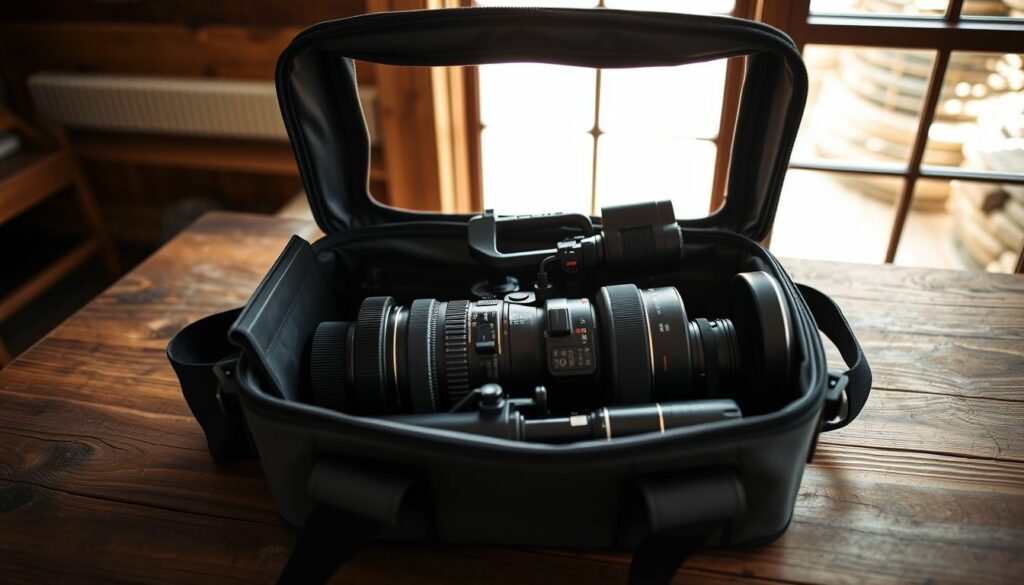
(658, 558)
(334, 531)
(193, 353)
(833, 324)
(680, 514)
(330, 538)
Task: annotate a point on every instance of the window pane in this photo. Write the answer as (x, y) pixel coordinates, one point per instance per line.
(1007, 8)
(529, 95)
(912, 7)
(685, 6)
(684, 101)
(633, 168)
(865, 103)
(980, 106)
(835, 216)
(881, 7)
(980, 228)
(524, 173)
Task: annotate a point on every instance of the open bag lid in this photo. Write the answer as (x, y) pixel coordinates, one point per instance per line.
(316, 87)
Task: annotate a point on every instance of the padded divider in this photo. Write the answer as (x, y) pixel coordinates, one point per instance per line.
(275, 328)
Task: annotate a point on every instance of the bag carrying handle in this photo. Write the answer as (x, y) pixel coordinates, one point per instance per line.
(831, 321)
(679, 514)
(350, 507)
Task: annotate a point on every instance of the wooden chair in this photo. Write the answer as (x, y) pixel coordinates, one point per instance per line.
(43, 167)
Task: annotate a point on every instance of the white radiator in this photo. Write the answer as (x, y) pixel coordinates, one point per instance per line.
(168, 105)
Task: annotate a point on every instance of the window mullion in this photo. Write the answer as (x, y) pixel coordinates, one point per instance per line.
(953, 11)
(595, 134)
(938, 75)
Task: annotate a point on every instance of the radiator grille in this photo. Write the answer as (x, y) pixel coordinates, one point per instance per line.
(168, 105)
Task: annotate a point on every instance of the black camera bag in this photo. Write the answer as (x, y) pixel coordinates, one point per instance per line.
(343, 480)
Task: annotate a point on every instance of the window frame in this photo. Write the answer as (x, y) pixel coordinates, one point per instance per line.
(941, 34)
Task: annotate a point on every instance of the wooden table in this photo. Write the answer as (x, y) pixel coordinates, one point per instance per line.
(104, 475)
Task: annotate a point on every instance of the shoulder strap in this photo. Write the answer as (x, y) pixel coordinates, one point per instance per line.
(830, 320)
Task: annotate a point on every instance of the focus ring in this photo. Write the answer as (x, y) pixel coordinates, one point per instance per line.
(621, 311)
(368, 350)
(456, 352)
(328, 364)
(422, 355)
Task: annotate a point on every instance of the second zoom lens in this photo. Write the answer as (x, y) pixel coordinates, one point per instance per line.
(653, 352)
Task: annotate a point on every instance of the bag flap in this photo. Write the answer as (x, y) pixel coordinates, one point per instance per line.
(316, 86)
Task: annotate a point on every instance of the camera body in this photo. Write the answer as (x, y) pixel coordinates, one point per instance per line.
(521, 341)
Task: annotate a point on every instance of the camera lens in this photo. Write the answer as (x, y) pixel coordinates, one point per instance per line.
(631, 346)
(654, 353)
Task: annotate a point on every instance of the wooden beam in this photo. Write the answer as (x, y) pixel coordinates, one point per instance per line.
(147, 49)
(215, 154)
(1003, 35)
(185, 12)
(408, 128)
(734, 70)
(452, 129)
(251, 156)
(462, 97)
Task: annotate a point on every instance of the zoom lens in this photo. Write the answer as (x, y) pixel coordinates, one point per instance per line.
(630, 346)
(655, 353)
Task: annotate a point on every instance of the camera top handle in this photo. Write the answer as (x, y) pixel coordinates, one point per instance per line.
(635, 238)
(483, 236)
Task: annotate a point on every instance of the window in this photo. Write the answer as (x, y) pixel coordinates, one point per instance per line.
(912, 148)
(556, 138)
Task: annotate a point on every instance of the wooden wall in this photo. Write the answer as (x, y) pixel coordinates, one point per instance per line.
(137, 176)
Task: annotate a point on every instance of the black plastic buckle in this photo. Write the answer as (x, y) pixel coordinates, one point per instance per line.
(836, 403)
(239, 443)
(836, 406)
(227, 386)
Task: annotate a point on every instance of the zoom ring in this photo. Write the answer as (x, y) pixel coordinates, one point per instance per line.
(456, 352)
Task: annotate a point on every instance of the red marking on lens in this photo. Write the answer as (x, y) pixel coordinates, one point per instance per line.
(664, 363)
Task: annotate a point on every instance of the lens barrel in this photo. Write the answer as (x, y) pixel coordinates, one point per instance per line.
(653, 352)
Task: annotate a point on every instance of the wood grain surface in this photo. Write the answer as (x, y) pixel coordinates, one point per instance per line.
(105, 477)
